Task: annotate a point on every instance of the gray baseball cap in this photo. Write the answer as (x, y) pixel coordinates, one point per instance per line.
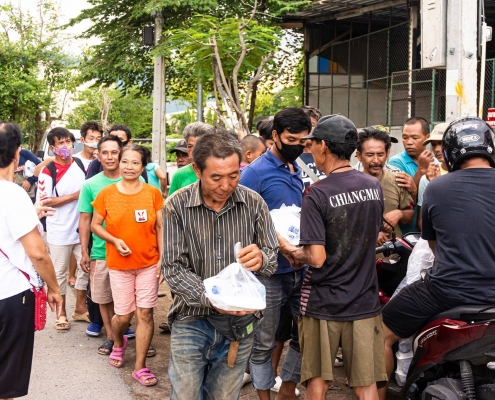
(336, 128)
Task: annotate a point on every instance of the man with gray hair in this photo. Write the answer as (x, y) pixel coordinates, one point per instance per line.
(185, 176)
(210, 347)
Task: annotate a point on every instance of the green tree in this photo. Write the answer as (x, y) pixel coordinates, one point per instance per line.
(35, 74)
(113, 106)
(122, 59)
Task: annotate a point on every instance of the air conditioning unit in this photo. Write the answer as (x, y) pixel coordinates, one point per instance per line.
(433, 33)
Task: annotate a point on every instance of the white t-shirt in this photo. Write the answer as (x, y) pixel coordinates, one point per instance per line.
(61, 228)
(17, 218)
(85, 161)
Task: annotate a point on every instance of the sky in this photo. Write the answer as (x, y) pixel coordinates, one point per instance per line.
(68, 9)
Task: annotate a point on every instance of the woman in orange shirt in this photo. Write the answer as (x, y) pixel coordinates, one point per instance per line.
(132, 212)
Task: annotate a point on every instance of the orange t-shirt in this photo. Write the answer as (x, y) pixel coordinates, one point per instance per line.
(130, 217)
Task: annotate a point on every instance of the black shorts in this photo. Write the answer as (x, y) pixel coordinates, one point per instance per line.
(287, 325)
(413, 306)
(16, 344)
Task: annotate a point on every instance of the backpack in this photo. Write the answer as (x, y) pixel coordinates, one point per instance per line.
(53, 171)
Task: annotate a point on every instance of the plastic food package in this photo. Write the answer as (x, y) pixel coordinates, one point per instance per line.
(420, 259)
(236, 289)
(29, 167)
(287, 221)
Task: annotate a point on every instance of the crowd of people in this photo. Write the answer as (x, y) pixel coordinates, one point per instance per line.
(110, 209)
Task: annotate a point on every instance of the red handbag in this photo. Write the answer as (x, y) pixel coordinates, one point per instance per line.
(39, 302)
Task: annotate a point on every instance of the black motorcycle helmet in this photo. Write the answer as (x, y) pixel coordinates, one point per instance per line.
(467, 137)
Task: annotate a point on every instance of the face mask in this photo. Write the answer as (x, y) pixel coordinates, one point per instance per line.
(93, 145)
(290, 151)
(65, 152)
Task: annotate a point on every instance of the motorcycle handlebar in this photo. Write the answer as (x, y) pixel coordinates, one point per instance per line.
(387, 246)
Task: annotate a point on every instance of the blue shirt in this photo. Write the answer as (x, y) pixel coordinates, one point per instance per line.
(406, 164)
(272, 179)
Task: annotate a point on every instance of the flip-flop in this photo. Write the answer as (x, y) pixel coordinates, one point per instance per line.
(106, 348)
(62, 324)
(143, 375)
(164, 327)
(151, 351)
(118, 354)
(81, 317)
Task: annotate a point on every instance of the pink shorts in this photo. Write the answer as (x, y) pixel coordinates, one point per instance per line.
(134, 288)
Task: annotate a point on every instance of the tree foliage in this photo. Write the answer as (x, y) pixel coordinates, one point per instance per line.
(35, 74)
(122, 59)
(112, 106)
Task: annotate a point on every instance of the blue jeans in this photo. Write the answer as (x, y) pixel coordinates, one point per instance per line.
(280, 290)
(198, 366)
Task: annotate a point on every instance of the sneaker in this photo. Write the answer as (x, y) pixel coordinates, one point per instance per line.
(246, 379)
(94, 329)
(339, 362)
(130, 334)
(278, 383)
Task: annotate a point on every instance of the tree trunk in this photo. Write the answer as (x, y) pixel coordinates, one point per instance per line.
(252, 105)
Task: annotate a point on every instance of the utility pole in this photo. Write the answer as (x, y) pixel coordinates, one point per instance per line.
(159, 108)
(199, 112)
(462, 75)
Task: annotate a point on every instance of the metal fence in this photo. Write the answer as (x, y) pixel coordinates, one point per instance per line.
(489, 89)
(418, 92)
(357, 83)
(368, 80)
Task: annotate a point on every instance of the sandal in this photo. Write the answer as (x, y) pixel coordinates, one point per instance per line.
(62, 324)
(81, 317)
(144, 375)
(164, 327)
(106, 348)
(117, 354)
(151, 352)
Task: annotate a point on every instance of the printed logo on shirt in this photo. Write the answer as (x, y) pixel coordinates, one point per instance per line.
(356, 196)
(141, 215)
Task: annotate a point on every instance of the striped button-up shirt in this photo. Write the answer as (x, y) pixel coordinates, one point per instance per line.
(198, 242)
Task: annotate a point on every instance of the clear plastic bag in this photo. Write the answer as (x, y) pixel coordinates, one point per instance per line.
(287, 221)
(420, 259)
(236, 289)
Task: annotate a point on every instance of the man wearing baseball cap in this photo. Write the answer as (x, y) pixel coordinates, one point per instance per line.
(437, 167)
(181, 154)
(341, 217)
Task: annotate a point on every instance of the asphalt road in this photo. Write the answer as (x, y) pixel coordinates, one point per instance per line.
(66, 366)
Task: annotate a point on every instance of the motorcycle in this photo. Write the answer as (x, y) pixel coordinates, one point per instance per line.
(453, 355)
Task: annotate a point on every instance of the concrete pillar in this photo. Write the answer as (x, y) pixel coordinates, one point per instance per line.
(159, 143)
(462, 84)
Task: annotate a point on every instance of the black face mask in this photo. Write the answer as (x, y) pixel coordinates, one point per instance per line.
(290, 151)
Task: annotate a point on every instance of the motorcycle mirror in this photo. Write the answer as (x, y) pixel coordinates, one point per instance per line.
(394, 236)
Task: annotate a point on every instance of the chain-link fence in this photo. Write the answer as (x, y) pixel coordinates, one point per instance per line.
(418, 92)
(357, 80)
(489, 90)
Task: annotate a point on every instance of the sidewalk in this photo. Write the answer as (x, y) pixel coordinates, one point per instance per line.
(67, 366)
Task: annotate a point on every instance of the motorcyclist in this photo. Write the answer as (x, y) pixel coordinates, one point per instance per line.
(457, 223)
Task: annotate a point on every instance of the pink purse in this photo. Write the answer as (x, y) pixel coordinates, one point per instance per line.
(39, 303)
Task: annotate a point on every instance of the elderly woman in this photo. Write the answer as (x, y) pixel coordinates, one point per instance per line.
(23, 256)
(132, 212)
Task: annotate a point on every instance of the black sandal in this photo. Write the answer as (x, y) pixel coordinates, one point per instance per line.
(106, 348)
(164, 327)
(151, 352)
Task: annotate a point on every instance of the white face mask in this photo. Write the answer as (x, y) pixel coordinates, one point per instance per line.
(93, 145)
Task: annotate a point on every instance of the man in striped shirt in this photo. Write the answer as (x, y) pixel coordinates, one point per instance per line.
(202, 222)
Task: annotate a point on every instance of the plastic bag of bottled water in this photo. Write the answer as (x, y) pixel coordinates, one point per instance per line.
(236, 289)
(287, 221)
